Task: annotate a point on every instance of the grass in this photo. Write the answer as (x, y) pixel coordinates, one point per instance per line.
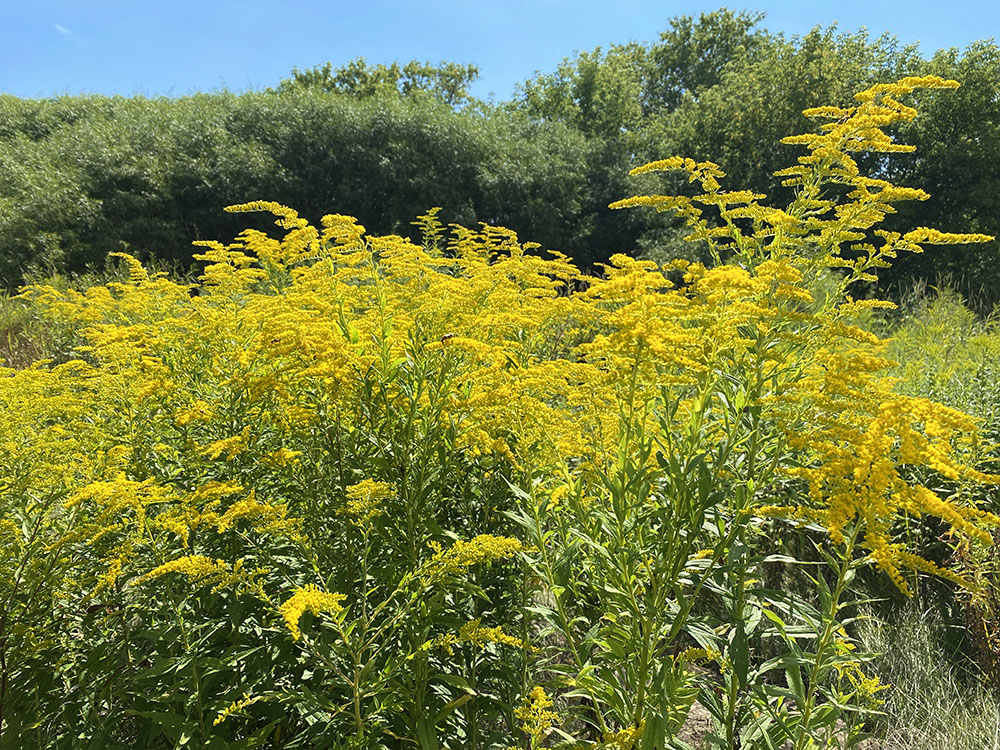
(23, 337)
(935, 704)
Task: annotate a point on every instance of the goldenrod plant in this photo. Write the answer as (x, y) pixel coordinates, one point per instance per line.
(351, 491)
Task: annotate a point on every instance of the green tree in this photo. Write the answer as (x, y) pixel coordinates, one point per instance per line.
(958, 162)
(598, 93)
(447, 81)
(152, 175)
(691, 55)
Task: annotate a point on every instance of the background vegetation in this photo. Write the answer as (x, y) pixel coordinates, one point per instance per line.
(86, 175)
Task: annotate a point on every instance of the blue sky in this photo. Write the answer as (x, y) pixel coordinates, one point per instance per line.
(174, 48)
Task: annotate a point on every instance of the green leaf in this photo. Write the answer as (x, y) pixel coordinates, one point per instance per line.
(740, 654)
(793, 673)
(427, 733)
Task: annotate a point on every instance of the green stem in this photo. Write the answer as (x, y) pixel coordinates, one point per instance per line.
(740, 600)
(732, 709)
(644, 663)
(829, 628)
(356, 691)
(567, 627)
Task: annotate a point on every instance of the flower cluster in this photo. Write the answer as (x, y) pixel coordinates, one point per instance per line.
(463, 554)
(476, 634)
(308, 598)
(365, 499)
(536, 715)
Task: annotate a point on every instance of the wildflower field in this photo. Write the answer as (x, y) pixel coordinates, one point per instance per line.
(348, 491)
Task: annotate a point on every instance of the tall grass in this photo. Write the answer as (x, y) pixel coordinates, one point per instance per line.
(938, 702)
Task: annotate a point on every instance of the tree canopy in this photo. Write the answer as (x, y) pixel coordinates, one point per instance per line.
(447, 81)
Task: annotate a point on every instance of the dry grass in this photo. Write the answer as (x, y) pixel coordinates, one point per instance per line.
(933, 706)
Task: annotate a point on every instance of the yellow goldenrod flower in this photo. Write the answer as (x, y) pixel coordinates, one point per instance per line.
(235, 707)
(535, 715)
(624, 739)
(464, 554)
(476, 634)
(196, 568)
(364, 499)
(310, 598)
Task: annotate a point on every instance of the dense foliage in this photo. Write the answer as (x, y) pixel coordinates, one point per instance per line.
(80, 178)
(352, 491)
(84, 176)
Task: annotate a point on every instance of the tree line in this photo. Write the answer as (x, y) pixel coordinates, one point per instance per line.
(82, 176)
